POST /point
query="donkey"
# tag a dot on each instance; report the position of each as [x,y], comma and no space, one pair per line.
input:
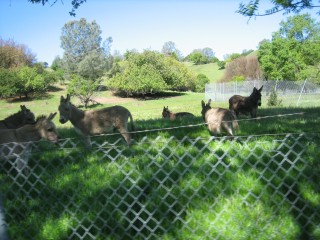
[219,118]
[24,116]
[166,113]
[94,122]
[240,104]
[16,142]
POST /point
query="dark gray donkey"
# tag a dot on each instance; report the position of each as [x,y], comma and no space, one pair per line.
[166,113]
[15,143]
[94,122]
[240,104]
[219,119]
[24,116]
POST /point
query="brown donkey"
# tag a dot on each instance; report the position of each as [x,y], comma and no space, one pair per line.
[15,142]
[240,104]
[166,113]
[94,122]
[24,116]
[219,118]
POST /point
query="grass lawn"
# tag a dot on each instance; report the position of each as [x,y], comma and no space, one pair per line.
[211,70]
[170,184]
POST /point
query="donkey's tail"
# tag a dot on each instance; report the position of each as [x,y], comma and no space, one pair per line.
[131,122]
[235,123]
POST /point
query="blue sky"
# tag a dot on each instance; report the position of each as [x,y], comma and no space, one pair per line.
[139,24]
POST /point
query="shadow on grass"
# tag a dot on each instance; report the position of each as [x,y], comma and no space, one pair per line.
[162,187]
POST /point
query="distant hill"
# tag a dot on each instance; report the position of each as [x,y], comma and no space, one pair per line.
[211,70]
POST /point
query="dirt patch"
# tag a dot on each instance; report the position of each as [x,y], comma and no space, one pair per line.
[113,100]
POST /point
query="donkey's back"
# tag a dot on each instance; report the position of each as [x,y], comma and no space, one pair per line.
[106,119]
[219,119]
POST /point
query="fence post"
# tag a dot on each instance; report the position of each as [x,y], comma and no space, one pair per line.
[301,92]
[3,225]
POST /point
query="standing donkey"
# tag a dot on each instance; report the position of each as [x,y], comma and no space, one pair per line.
[240,104]
[94,122]
[24,116]
[166,113]
[219,118]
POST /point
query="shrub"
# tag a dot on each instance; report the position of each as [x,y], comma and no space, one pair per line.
[149,72]
[273,99]
[201,82]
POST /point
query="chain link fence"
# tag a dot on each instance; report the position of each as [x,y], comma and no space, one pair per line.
[291,92]
[256,187]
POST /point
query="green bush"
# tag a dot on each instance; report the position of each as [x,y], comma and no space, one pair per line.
[149,72]
[273,99]
[201,82]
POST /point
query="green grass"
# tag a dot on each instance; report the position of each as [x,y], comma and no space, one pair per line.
[211,70]
[167,186]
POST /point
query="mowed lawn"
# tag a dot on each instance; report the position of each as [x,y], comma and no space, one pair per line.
[172,183]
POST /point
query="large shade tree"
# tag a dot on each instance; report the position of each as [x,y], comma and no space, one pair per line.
[293,53]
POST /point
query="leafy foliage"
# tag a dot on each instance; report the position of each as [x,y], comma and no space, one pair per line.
[201,56]
[251,9]
[82,44]
[84,89]
[201,82]
[293,51]
[273,99]
[149,72]
[13,54]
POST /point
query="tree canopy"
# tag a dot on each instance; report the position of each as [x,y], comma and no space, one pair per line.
[75,4]
[252,8]
[294,51]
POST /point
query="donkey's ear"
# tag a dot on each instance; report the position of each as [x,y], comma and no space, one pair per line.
[23,107]
[68,97]
[61,99]
[52,115]
[209,102]
[203,104]
[260,88]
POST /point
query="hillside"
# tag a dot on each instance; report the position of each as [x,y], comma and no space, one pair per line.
[211,70]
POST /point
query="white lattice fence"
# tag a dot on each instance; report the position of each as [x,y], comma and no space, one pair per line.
[256,187]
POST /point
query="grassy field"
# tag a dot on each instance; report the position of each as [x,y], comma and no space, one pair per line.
[211,70]
[171,184]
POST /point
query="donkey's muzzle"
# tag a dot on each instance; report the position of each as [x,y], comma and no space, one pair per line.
[62,120]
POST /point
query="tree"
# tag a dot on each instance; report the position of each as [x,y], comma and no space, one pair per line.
[170,49]
[78,39]
[293,52]
[251,9]
[14,55]
[201,56]
[85,55]
[149,72]
[75,4]
[244,67]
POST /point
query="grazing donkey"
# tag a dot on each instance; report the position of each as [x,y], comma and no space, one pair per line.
[250,104]
[16,142]
[218,118]
[166,113]
[94,122]
[24,116]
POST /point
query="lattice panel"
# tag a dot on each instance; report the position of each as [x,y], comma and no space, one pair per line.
[256,187]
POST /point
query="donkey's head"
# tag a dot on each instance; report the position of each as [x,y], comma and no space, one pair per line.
[27,116]
[205,108]
[47,128]
[65,109]
[166,112]
[256,96]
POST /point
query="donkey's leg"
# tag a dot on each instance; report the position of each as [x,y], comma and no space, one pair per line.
[87,141]
[253,113]
[124,132]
